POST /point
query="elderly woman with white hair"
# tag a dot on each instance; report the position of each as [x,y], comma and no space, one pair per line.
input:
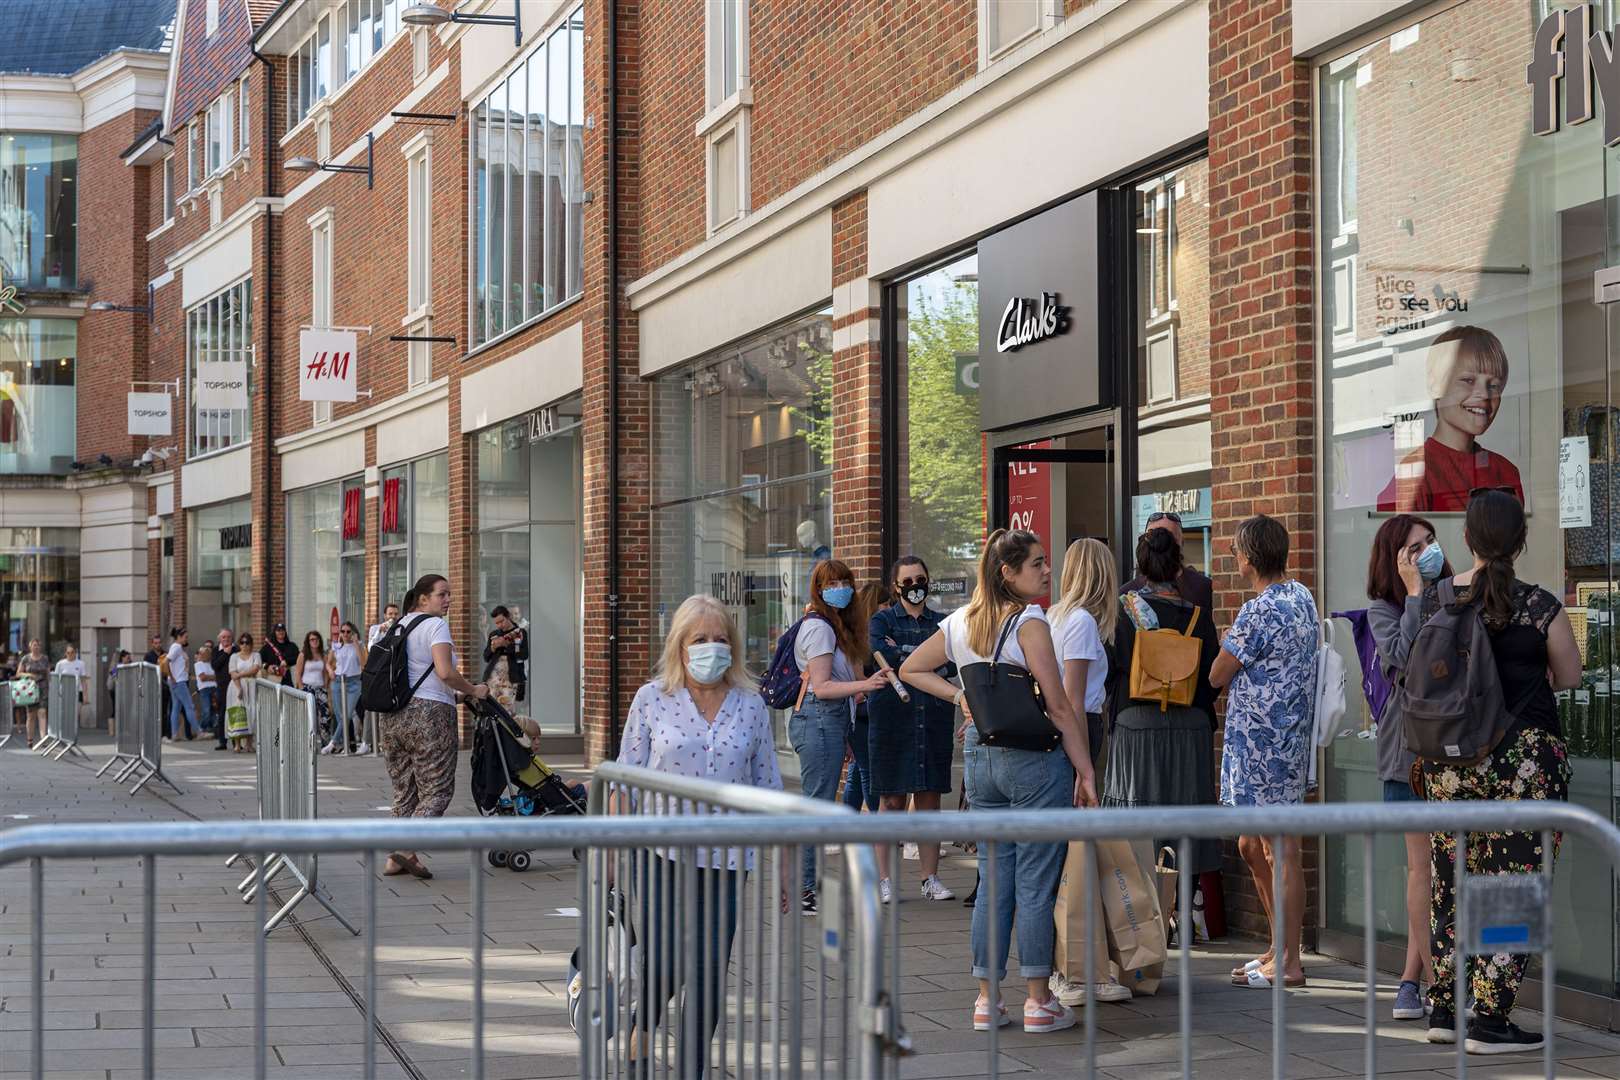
[700,717]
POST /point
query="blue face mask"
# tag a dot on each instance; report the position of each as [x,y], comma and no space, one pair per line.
[838,596]
[1430,562]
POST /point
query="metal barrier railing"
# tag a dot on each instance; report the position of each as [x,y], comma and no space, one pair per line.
[7,717]
[129,701]
[61,717]
[878,1044]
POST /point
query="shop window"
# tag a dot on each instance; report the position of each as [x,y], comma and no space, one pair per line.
[413,518]
[39,590]
[1460,348]
[326,561]
[220,331]
[527,181]
[38,406]
[39,210]
[219,587]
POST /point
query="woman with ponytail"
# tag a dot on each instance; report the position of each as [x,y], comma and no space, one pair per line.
[1534,648]
[419,743]
[830,648]
[1013,574]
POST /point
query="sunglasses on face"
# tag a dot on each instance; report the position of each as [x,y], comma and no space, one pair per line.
[1164,515]
[907,583]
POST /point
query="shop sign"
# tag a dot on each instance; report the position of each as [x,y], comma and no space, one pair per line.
[967,373]
[1026,320]
[734,588]
[220,384]
[1567,50]
[326,365]
[1191,505]
[236,537]
[150,413]
[542,423]
[8,298]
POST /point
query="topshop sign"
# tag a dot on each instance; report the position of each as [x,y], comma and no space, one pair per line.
[1568,50]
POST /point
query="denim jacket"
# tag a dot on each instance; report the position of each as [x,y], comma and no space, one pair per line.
[895,634]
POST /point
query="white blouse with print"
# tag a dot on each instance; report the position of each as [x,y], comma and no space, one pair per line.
[666,733]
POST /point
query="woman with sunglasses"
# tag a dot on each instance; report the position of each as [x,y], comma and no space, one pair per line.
[910,742]
[1189,584]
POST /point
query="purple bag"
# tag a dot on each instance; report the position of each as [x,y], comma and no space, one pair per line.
[1374,683]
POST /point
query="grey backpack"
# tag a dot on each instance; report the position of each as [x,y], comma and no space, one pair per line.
[1450,695]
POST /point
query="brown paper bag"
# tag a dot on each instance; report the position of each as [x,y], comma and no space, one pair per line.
[1134,923]
[1166,876]
[1069,917]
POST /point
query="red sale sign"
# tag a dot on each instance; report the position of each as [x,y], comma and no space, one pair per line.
[326,365]
[1029,495]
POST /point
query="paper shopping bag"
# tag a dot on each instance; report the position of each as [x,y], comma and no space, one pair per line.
[1165,877]
[1069,916]
[1134,924]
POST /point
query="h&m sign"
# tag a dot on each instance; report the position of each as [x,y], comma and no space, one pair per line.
[1568,50]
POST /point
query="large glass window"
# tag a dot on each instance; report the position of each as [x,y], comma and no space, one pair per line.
[528,190]
[38,408]
[742,446]
[39,210]
[414,523]
[326,560]
[942,455]
[39,587]
[1460,348]
[529,551]
[219,592]
[220,330]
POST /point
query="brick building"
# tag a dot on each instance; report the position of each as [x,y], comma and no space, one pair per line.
[651,299]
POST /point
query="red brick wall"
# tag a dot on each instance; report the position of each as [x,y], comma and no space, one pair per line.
[857,457]
[1261,353]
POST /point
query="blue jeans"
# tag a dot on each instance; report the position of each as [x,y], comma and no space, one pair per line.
[858,780]
[1399,791]
[661,921]
[1026,875]
[819,731]
[209,696]
[345,699]
[180,702]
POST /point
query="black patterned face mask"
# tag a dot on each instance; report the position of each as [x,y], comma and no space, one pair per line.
[916,594]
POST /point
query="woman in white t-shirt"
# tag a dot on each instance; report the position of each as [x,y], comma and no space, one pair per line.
[1013,573]
[828,649]
[72,664]
[419,742]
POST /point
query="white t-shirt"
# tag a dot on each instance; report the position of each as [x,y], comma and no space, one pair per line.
[179,665]
[956,646]
[817,638]
[205,675]
[65,666]
[315,671]
[419,656]
[348,659]
[1076,638]
[376,632]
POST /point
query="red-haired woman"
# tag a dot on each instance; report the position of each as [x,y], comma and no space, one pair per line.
[829,648]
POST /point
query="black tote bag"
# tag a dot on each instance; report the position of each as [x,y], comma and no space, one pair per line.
[1008,710]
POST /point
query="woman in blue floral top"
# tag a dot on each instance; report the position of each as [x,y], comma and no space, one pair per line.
[1268,659]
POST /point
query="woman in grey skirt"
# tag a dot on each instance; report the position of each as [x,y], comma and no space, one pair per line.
[1162,757]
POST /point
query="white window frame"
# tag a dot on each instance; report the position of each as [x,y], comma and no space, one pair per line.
[242,116]
[220,143]
[206,340]
[168,187]
[321,257]
[1168,392]
[740,127]
[211,18]
[194,174]
[340,20]
[730,109]
[419,54]
[1050,15]
[419,226]
[716,55]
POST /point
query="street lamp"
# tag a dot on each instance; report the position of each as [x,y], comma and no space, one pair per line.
[309,164]
[149,309]
[428,14]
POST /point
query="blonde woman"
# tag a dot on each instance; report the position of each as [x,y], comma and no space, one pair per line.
[700,717]
[1013,574]
[1082,627]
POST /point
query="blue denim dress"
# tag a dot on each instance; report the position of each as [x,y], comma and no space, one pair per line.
[909,744]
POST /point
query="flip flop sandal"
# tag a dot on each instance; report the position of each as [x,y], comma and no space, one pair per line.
[395,866]
[1253,965]
[1255,979]
[414,867]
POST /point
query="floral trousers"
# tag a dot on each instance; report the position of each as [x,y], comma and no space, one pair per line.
[1533,766]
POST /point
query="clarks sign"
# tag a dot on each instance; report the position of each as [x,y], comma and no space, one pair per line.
[1026,320]
[1567,50]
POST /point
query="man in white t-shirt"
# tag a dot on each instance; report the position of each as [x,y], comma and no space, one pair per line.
[181,701]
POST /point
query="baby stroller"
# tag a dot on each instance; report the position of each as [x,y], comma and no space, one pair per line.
[509,779]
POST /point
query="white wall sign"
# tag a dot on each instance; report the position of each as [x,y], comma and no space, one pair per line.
[1574,482]
[326,365]
[150,414]
[220,384]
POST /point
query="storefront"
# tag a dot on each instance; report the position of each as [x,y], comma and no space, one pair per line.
[1460,348]
[38,408]
[219,585]
[529,554]
[413,509]
[326,556]
[39,587]
[742,455]
[1055,377]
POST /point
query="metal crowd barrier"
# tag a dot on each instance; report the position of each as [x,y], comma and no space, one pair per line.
[286,748]
[138,715]
[876,1043]
[61,717]
[8,717]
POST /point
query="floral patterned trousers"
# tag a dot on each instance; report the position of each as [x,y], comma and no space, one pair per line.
[1533,766]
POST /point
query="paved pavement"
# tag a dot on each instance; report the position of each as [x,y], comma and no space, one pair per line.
[204,1010]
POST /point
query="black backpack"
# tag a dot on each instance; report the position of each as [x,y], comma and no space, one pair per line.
[385,684]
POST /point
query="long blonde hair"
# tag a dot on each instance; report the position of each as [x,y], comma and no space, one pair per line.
[1090,582]
[695,610]
[993,596]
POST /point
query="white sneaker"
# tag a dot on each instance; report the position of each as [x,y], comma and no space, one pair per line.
[1049,1015]
[885,890]
[935,889]
[330,748]
[1074,993]
[363,748]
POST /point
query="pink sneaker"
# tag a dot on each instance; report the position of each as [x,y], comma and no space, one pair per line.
[1048,1015]
[981,1015]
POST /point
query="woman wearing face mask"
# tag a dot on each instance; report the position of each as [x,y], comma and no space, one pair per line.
[701,718]
[910,742]
[1405,558]
[828,649]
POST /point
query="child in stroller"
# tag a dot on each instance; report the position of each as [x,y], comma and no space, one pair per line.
[510,779]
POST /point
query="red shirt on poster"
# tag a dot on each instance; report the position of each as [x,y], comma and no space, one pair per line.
[1437,478]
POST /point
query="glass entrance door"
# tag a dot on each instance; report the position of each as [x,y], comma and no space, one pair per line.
[1061,487]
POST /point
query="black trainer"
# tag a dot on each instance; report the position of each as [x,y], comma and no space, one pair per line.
[807,902]
[1442,1026]
[1498,1035]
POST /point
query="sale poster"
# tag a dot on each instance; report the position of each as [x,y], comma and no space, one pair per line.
[1029,496]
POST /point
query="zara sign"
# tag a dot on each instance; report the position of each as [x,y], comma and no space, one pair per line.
[1567,50]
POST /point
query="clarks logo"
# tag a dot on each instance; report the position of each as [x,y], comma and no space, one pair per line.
[1569,51]
[1026,320]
